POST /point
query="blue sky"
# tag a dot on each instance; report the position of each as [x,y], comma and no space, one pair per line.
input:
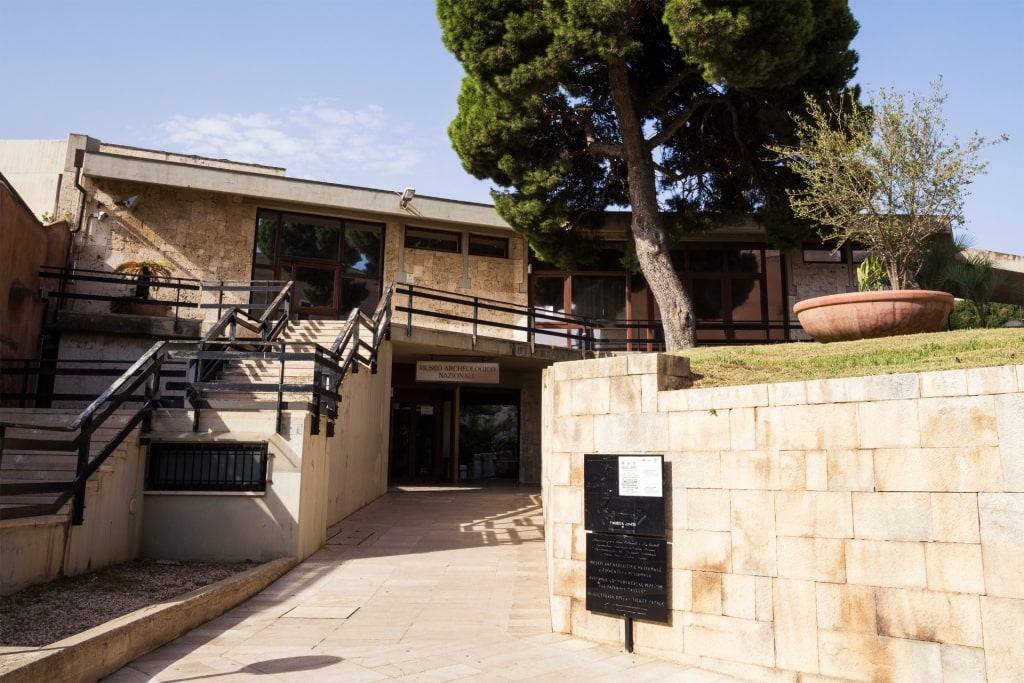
[361,92]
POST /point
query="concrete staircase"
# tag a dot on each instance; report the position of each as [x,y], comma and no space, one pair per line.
[255,381]
[23,465]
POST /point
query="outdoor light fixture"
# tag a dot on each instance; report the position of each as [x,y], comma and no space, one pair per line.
[407,195]
[131,202]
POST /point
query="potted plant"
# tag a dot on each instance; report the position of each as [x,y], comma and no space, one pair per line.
[145,275]
[883,177]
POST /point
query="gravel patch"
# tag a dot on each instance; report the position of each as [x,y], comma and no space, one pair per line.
[45,613]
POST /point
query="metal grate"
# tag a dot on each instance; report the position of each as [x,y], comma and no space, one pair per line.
[207,467]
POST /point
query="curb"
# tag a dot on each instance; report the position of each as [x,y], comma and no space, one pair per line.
[102,650]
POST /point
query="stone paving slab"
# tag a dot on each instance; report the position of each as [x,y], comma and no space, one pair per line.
[423,585]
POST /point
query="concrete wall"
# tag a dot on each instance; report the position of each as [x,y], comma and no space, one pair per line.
[288,520]
[867,529]
[358,453]
[41,549]
[27,245]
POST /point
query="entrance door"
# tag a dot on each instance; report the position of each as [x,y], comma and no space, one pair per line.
[420,439]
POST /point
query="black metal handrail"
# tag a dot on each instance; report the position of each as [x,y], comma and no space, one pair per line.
[144,373]
[188,293]
[330,365]
[574,330]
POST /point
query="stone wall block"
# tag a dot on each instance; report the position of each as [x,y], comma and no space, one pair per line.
[558,470]
[999,379]
[561,614]
[1002,543]
[814,513]
[753,533]
[945,383]
[648,393]
[597,626]
[812,427]
[870,388]
[743,429]
[764,598]
[566,504]
[561,540]
[944,421]
[729,638]
[753,470]
[1010,428]
[963,664]
[625,394]
[708,510]
[955,518]
[561,396]
[680,598]
[962,468]
[955,567]
[568,577]
[888,424]
[812,559]
[1003,623]
[695,469]
[709,551]
[868,658]
[793,470]
[700,430]
[850,470]
[673,401]
[739,596]
[706,597]
[846,607]
[929,615]
[591,396]
[631,433]
[573,434]
[892,516]
[796,625]
[724,398]
[787,394]
[892,564]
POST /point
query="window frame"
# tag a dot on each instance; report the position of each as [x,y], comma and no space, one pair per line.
[501,243]
[435,237]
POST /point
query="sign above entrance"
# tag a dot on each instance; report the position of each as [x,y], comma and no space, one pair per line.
[454,371]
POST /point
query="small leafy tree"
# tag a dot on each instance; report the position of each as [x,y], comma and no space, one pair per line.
[884,175]
[975,279]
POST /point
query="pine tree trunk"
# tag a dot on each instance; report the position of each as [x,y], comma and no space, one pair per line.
[652,248]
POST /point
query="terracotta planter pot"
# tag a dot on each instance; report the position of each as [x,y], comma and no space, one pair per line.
[865,315]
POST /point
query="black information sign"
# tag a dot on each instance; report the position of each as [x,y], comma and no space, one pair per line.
[622,494]
[628,576]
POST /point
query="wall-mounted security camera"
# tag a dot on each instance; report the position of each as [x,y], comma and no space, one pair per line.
[131,202]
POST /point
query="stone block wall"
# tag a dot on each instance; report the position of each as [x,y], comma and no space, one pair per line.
[866,529]
[203,235]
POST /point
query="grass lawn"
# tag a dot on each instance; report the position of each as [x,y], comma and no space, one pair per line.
[717,366]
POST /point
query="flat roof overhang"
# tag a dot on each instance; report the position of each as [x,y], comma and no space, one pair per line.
[270,188]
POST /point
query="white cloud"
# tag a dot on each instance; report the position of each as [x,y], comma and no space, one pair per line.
[315,142]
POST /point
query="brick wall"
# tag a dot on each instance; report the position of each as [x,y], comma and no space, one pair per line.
[867,529]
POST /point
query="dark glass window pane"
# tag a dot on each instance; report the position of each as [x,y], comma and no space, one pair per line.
[359,293]
[743,261]
[266,237]
[314,287]
[310,236]
[707,299]
[482,245]
[746,301]
[599,297]
[435,240]
[706,261]
[549,294]
[362,248]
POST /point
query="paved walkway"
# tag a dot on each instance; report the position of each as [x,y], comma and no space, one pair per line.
[421,585]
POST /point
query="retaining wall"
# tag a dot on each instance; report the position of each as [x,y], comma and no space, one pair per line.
[864,529]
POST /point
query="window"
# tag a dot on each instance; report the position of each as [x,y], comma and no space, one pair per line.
[434,240]
[483,245]
[334,262]
[207,467]
[817,253]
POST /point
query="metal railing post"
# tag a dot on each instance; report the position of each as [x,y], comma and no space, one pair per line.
[78,502]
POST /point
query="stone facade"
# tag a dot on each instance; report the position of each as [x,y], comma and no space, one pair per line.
[866,529]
